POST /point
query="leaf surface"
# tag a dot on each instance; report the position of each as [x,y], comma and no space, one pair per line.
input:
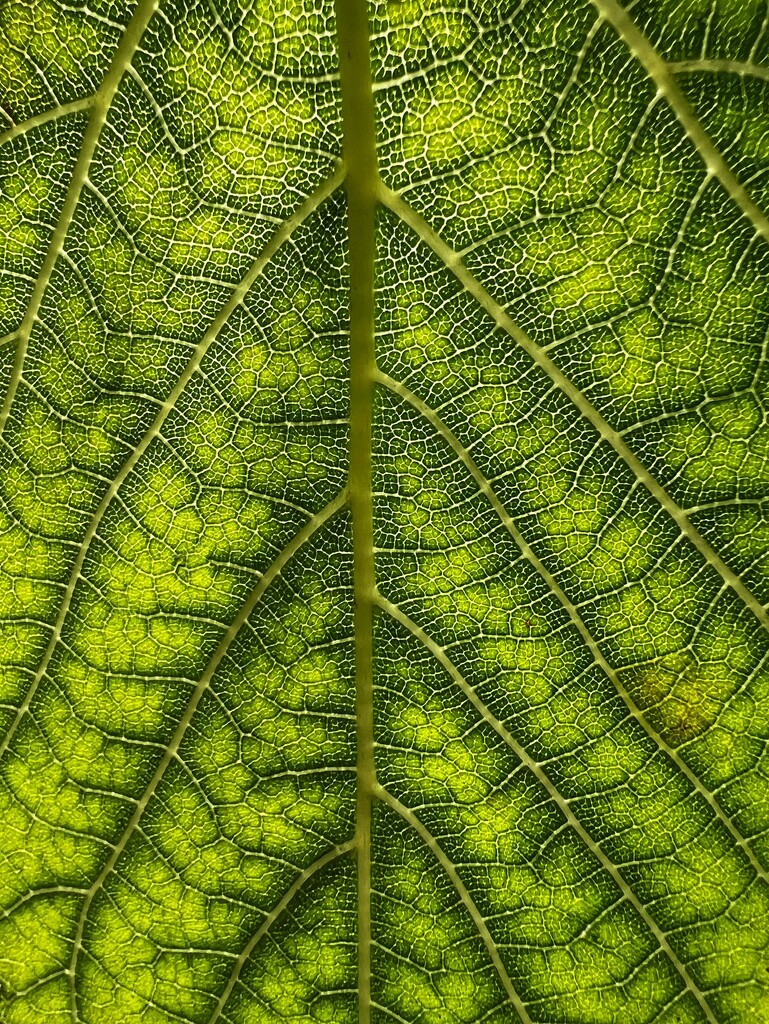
[383,512]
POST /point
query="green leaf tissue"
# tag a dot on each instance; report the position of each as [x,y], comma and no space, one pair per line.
[384,512]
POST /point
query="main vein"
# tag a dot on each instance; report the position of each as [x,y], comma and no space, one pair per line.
[362,187]
[99,107]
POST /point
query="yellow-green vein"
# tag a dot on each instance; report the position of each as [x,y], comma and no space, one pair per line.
[484,485]
[237,297]
[171,751]
[362,183]
[99,107]
[440,655]
[502,319]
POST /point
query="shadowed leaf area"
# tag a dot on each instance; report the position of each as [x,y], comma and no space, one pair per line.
[384,512]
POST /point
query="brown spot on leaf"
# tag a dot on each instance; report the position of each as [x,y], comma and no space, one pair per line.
[677,697]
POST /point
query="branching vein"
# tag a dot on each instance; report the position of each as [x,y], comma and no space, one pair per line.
[533,766]
[483,930]
[171,751]
[237,297]
[99,106]
[555,588]
[663,77]
[47,115]
[271,918]
[453,262]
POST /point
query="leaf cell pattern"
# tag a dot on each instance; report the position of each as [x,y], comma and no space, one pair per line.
[384,512]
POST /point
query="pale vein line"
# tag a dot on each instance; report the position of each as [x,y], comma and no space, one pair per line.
[100,105]
[485,487]
[360,156]
[419,225]
[736,67]
[429,840]
[171,751]
[663,77]
[47,115]
[237,297]
[440,655]
[271,918]
[36,894]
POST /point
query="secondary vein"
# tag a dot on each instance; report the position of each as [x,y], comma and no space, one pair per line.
[486,488]
[271,918]
[219,321]
[99,106]
[476,916]
[452,260]
[536,769]
[662,74]
[47,115]
[172,750]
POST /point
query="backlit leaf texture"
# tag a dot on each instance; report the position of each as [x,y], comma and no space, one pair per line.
[384,512]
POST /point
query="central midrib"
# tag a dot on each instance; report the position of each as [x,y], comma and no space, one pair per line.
[362,186]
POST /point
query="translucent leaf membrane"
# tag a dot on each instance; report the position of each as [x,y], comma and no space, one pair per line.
[34,170]
[174,429]
[261,788]
[430,963]
[570,942]
[244,458]
[569,822]
[181,534]
[705,29]
[149,261]
[55,52]
[305,969]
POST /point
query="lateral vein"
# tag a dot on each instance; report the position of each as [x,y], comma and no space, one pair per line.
[440,655]
[736,67]
[47,115]
[454,263]
[172,749]
[271,918]
[477,918]
[484,485]
[219,321]
[663,76]
[99,106]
